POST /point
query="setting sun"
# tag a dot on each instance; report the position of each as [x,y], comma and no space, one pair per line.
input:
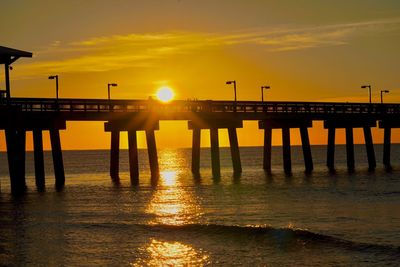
[165,94]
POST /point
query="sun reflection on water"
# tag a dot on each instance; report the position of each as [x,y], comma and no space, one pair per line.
[168,178]
[172,203]
[163,253]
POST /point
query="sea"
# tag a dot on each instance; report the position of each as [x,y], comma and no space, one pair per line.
[255,219]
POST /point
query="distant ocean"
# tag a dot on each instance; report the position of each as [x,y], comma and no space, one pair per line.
[321,219]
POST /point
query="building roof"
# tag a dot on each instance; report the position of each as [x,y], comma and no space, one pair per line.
[9,55]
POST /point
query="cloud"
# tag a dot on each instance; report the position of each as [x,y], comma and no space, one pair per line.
[146,50]
[299,38]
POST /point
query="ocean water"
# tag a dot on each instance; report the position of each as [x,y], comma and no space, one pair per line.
[322,219]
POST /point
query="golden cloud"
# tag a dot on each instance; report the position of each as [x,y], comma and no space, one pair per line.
[145,50]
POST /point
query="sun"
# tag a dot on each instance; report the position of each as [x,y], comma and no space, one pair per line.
[165,94]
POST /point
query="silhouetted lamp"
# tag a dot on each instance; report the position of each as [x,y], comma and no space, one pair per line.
[55,77]
[369,91]
[383,91]
[262,91]
[234,87]
[108,87]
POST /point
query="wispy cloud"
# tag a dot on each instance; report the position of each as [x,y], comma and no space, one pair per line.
[298,38]
[145,50]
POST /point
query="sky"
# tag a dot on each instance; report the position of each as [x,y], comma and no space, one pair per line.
[306,50]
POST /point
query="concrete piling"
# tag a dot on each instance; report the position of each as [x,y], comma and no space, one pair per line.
[287,159]
[39,159]
[370,148]
[350,148]
[235,154]
[267,149]
[114,157]
[152,151]
[196,138]
[305,141]
[215,162]
[57,158]
[15,141]
[133,157]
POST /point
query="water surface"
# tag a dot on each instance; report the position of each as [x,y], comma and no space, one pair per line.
[257,219]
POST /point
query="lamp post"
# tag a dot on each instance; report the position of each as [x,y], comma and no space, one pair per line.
[369,90]
[234,87]
[234,90]
[383,91]
[262,91]
[108,87]
[55,77]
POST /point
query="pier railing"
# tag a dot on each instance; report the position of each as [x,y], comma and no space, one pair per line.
[101,105]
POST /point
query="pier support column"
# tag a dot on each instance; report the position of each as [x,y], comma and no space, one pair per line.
[214,125]
[308,161]
[133,157]
[285,125]
[152,151]
[267,149]
[287,161]
[39,159]
[386,147]
[132,126]
[57,158]
[370,148]
[215,163]
[350,148]
[15,140]
[330,157]
[235,154]
[341,122]
[114,157]
[196,150]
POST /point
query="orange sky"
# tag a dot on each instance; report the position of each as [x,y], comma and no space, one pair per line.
[306,51]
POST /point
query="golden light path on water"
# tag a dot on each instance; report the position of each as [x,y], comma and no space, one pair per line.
[172,204]
[163,253]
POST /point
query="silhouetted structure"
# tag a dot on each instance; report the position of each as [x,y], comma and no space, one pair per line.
[19,115]
[7,57]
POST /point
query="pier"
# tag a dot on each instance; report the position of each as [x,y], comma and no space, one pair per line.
[19,115]
[41,114]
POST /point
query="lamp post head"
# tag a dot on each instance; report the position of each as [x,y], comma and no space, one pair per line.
[266,87]
[385,91]
[366,86]
[230,82]
[52,77]
[112,84]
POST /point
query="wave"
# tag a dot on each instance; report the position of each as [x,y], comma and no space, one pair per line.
[286,237]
